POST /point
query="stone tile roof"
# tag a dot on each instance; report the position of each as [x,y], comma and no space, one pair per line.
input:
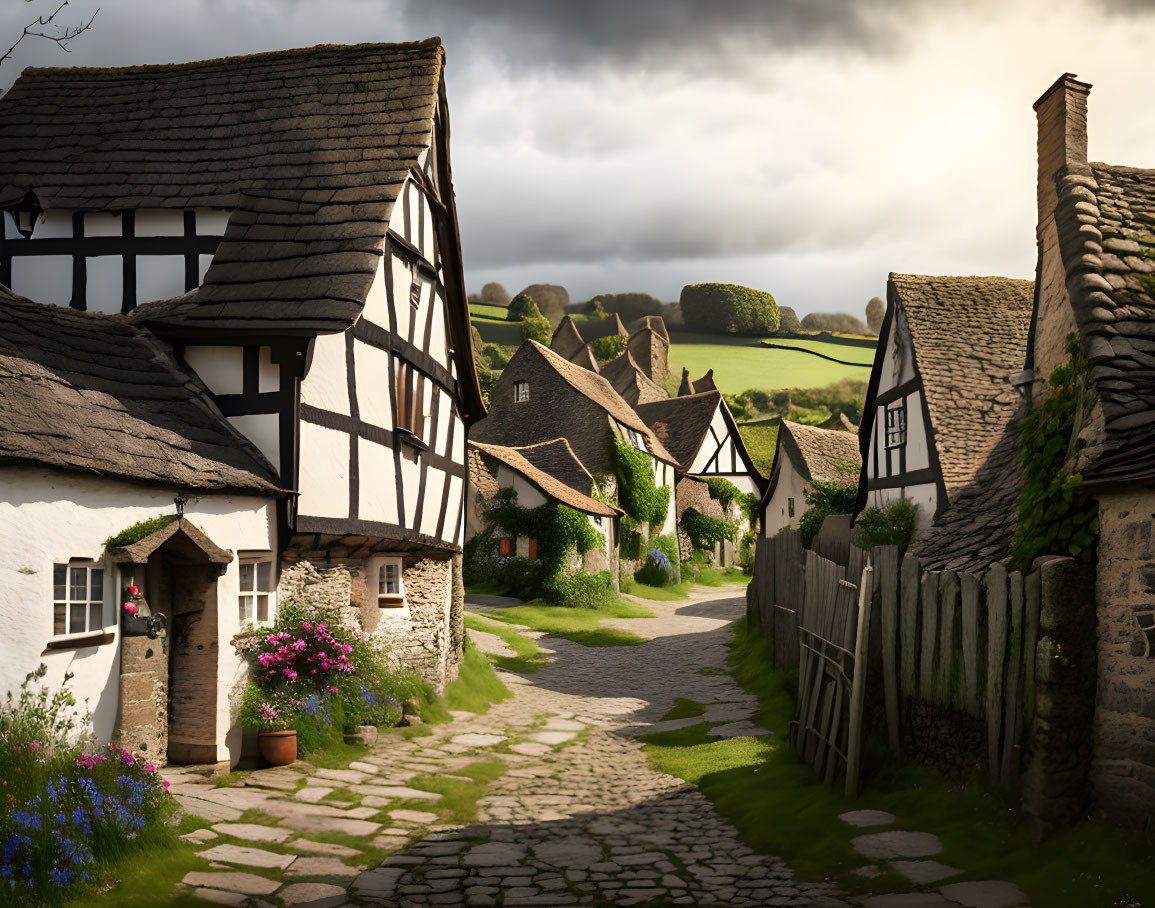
[550,485]
[557,458]
[601,327]
[308,148]
[568,343]
[92,393]
[682,423]
[1106,225]
[628,379]
[823,454]
[969,336]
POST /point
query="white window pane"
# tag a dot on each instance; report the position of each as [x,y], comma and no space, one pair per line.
[246,579]
[58,616]
[264,575]
[60,581]
[262,608]
[95,618]
[77,614]
[246,603]
[97,585]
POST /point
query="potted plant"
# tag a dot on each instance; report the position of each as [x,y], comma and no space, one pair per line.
[272,716]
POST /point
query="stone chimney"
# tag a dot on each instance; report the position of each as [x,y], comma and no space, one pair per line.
[1062,116]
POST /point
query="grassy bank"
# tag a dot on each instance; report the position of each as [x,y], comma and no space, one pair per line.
[527,659]
[673,593]
[779,807]
[581,625]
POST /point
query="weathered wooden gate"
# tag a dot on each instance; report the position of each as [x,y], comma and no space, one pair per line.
[833,642]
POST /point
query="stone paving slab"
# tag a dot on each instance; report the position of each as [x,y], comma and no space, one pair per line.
[867,818]
[252,832]
[342,825]
[251,857]
[896,843]
[323,866]
[313,895]
[985,894]
[246,883]
[329,848]
[199,836]
[925,871]
[220,897]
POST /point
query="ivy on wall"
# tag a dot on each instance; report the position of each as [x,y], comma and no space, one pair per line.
[825,497]
[1055,515]
[704,531]
[638,495]
[723,491]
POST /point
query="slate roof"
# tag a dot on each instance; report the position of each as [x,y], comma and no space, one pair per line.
[91,393]
[969,336]
[550,485]
[601,327]
[557,458]
[567,342]
[1106,226]
[308,148]
[628,379]
[682,423]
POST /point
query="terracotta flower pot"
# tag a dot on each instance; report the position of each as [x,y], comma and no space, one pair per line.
[278,748]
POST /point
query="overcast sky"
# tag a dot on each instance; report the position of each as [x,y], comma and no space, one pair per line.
[805,147]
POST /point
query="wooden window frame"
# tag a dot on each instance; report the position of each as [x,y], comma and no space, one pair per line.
[409,403]
[63,598]
[256,588]
[895,434]
[379,581]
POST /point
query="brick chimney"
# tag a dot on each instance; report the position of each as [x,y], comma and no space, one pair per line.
[1062,116]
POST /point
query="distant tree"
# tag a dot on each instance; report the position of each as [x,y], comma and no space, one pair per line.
[729,309]
[596,308]
[788,321]
[522,306]
[630,306]
[550,298]
[875,310]
[474,298]
[839,322]
[47,28]
[537,328]
[493,294]
[609,347]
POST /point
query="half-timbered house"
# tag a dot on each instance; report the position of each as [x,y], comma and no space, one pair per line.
[287,222]
[941,394]
[802,455]
[541,396]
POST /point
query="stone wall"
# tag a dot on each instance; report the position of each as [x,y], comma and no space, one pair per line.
[1123,768]
[428,635]
[142,716]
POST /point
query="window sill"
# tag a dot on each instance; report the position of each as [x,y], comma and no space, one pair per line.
[408,438]
[80,641]
[391,601]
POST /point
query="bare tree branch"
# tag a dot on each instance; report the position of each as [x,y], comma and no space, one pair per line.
[44,27]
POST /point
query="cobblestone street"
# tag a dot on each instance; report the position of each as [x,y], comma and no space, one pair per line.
[577,816]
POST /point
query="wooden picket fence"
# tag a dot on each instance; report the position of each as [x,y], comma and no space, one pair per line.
[960,641]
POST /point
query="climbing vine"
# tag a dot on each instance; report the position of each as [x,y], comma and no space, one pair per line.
[723,491]
[1055,515]
[825,497]
[704,531]
[638,495]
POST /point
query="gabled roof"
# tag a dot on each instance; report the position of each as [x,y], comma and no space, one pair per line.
[557,458]
[307,148]
[682,423]
[1106,225]
[822,454]
[568,343]
[969,336]
[595,388]
[628,379]
[705,383]
[601,327]
[550,485]
[654,323]
[91,393]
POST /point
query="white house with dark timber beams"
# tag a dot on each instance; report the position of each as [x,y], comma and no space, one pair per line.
[941,395]
[286,221]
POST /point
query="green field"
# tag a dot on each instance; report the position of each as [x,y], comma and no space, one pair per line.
[846,352]
[481,310]
[495,330]
[740,363]
[760,438]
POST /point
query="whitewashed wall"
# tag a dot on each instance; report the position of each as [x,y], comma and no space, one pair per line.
[729,464]
[789,484]
[48,517]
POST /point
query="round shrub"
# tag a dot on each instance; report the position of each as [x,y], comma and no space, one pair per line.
[657,570]
[729,309]
[522,306]
[609,347]
[537,329]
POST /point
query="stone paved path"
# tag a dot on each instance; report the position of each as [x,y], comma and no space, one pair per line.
[576,816]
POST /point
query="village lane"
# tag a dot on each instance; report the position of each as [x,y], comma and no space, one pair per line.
[576,815]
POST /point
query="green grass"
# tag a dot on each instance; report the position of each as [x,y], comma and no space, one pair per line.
[779,807]
[581,625]
[481,310]
[740,363]
[498,330]
[528,659]
[760,439]
[862,355]
[336,756]
[477,686]
[712,576]
[459,798]
[672,593]
[683,709]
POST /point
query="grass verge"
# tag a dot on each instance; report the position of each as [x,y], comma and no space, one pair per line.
[528,658]
[581,625]
[683,709]
[477,686]
[779,807]
[459,797]
[672,593]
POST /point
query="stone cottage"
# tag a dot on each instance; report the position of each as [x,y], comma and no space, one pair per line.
[802,455]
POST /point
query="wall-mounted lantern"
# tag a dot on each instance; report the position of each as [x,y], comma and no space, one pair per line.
[137,619]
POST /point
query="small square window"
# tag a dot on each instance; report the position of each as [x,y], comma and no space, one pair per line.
[386,573]
[77,598]
[520,391]
[896,425]
[257,595]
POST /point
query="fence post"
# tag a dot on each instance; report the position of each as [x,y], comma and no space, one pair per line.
[929,642]
[948,595]
[908,616]
[1013,699]
[858,685]
[971,590]
[885,559]
[996,584]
